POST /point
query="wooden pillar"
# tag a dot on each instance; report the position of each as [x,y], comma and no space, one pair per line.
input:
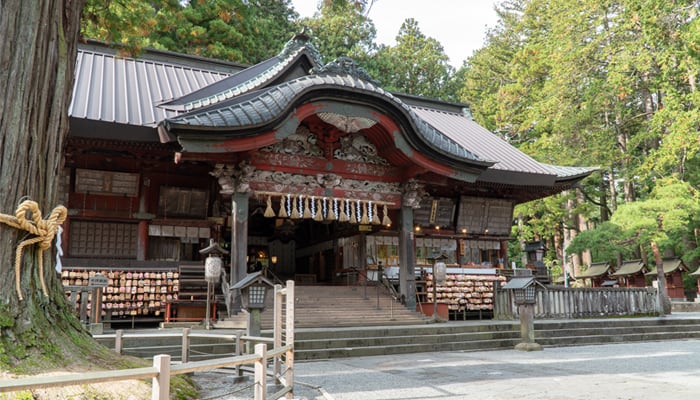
[503,253]
[239,237]
[407,258]
[142,245]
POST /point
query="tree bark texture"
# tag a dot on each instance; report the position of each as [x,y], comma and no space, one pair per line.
[37,58]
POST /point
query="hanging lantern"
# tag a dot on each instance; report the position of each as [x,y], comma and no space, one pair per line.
[212,268]
[213,263]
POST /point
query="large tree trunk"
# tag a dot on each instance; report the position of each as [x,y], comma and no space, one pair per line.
[37,58]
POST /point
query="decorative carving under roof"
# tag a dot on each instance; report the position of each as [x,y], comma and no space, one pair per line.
[282,180]
[302,142]
[345,66]
[413,193]
[356,147]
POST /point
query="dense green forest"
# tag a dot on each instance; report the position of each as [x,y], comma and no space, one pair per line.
[605,83]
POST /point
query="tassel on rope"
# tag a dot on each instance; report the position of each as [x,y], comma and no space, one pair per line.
[283,208]
[269,212]
[353,214]
[375,215]
[295,210]
[386,221]
[332,216]
[307,212]
[319,211]
[44,230]
[343,215]
[365,218]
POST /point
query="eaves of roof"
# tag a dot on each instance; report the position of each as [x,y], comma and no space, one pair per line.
[630,267]
[595,270]
[670,265]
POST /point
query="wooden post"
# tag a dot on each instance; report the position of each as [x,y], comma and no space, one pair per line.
[289,333]
[83,305]
[277,332]
[185,345]
[118,343]
[260,372]
[239,371]
[407,258]
[160,389]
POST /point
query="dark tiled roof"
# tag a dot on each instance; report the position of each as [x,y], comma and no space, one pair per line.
[595,270]
[630,267]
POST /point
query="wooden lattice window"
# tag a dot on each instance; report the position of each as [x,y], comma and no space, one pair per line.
[103,239]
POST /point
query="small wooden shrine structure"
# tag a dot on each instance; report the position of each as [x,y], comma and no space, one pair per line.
[596,275]
[631,274]
[674,268]
[313,165]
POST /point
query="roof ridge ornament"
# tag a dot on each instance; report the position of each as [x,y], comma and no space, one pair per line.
[345,65]
[298,42]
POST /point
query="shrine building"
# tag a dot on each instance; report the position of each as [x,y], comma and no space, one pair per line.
[311,171]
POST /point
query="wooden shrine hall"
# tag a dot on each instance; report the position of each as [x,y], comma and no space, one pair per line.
[308,170]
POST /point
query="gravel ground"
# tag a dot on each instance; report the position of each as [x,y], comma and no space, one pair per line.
[639,371]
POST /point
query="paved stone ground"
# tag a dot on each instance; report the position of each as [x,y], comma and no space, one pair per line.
[639,371]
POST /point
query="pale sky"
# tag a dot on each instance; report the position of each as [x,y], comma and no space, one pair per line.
[459,25]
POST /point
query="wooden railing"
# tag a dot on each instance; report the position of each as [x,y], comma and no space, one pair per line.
[559,302]
[282,355]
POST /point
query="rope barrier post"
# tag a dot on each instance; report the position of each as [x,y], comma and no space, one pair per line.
[118,341]
[185,345]
[261,372]
[161,382]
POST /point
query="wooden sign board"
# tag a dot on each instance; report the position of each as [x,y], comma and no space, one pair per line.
[98,280]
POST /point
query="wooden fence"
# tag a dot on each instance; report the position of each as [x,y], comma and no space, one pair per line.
[281,354]
[560,302]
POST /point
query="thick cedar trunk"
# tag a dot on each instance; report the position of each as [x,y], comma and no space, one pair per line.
[37,57]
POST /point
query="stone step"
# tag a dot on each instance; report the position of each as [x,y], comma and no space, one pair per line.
[486,335]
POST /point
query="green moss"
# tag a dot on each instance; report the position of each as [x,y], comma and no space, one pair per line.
[182,388]
[23,395]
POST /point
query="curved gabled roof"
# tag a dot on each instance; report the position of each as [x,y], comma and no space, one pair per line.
[268,96]
[252,78]
[269,106]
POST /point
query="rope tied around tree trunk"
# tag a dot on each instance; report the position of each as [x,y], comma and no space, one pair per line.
[28,217]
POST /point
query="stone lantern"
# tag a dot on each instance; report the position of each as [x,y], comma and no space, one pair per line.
[523,286]
[255,289]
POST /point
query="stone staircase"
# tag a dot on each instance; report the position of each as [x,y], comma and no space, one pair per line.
[346,306]
[487,335]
